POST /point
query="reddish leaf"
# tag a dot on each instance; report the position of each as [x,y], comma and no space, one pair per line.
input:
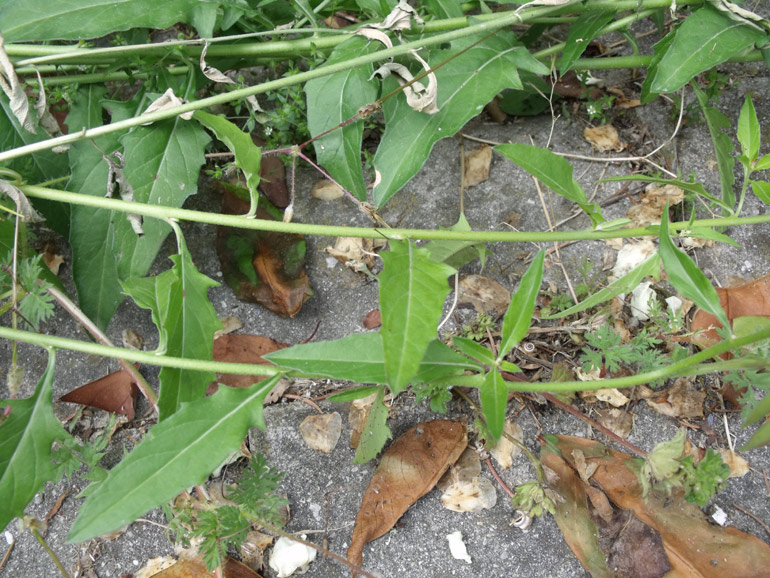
[262,266]
[750,299]
[373,319]
[242,348]
[408,470]
[694,547]
[114,392]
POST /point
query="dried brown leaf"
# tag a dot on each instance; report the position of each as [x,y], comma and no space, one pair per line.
[618,421]
[408,470]
[679,400]
[739,467]
[321,432]
[326,190]
[242,348]
[506,451]
[604,138]
[477,165]
[115,392]
[652,203]
[485,294]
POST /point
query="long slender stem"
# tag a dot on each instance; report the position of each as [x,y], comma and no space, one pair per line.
[50,552]
[162,212]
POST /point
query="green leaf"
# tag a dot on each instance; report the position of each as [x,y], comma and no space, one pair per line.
[762,164]
[334,99]
[36,20]
[26,436]
[494,399]
[707,38]
[748,130]
[760,438]
[464,87]
[441,9]
[357,357]
[704,233]
[685,276]
[761,190]
[412,293]
[723,147]
[659,51]
[177,453]
[474,350]
[554,172]
[581,32]
[441,361]
[376,431]
[247,155]
[457,253]
[518,317]
[162,165]
[648,267]
[186,321]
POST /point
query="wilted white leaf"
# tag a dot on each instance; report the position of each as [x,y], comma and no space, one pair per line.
[14,91]
[23,206]
[378,35]
[289,557]
[418,96]
[216,75]
[165,101]
[400,18]
[116,179]
[44,117]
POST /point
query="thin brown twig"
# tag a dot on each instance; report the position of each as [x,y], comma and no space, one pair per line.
[500,480]
[753,517]
[305,399]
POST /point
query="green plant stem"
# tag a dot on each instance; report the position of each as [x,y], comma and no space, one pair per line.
[145,357]
[163,212]
[50,552]
[693,365]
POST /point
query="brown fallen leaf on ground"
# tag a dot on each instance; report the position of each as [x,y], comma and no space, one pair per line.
[242,348]
[408,470]
[694,547]
[115,392]
[652,203]
[618,421]
[326,190]
[373,319]
[477,165]
[321,432]
[679,400]
[195,568]
[485,294]
[604,138]
[753,298]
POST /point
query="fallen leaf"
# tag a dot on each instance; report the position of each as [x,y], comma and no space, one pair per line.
[652,203]
[618,421]
[470,496]
[195,568]
[679,400]
[485,294]
[373,319]
[465,469]
[242,348]
[272,179]
[752,298]
[253,549]
[359,410]
[694,547]
[640,300]
[408,470]
[506,451]
[115,392]
[289,556]
[739,467]
[52,260]
[604,138]
[355,253]
[132,340]
[477,165]
[418,96]
[321,432]
[229,324]
[325,190]
[611,396]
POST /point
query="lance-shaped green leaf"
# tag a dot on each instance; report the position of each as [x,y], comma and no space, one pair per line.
[518,317]
[723,147]
[334,99]
[26,436]
[35,20]
[162,164]
[186,321]
[554,172]
[442,361]
[685,276]
[177,453]
[748,131]
[465,86]
[581,32]
[707,38]
[376,431]
[247,155]
[474,350]
[412,292]
[650,267]
[494,399]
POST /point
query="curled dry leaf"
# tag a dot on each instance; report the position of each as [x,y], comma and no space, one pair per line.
[242,348]
[618,421]
[400,18]
[194,567]
[14,90]
[408,470]
[640,300]
[326,190]
[418,96]
[506,451]
[357,414]
[23,206]
[356,253]
[321,432]
[229,324]
[470,496]
[679,400]
[739,467]
[611,396]
[216,75]
[477,165]
[652,203]
[752,298]
[115,392]
[604,138]
[694,547]
[485,294]
[253,549]
[165,101]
